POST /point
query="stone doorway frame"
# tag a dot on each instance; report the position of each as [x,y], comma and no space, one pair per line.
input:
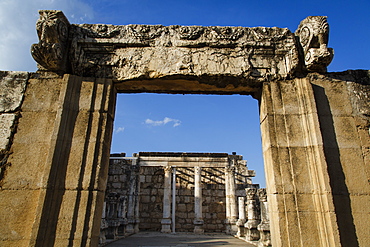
[314,126]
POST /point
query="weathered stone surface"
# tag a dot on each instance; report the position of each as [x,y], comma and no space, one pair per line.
[12,87]
[6,126]
[46,162]
[189,58]
[151,52]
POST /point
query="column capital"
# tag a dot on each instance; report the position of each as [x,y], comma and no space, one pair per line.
[262,194]
[251,193]
[167,168]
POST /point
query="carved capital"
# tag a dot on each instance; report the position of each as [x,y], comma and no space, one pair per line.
[51,51]
[251,193]
[262,195]
[230,169]
[313,34]
[197,170]
[167,169]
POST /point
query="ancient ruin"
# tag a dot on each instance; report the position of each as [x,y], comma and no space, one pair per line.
[56,124]
[183,192]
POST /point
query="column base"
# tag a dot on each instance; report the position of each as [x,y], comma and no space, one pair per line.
[198,226]
[166,225]
[240,224]
[251,232]
[231,227]
[130,228]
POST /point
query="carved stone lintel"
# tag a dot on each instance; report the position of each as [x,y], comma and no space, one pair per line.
[313,33]
[51,51]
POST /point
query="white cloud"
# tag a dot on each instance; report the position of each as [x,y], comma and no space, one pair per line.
[18,28]
[118,130]
[165,121]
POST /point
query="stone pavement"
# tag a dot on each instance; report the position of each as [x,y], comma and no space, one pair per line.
[156,239]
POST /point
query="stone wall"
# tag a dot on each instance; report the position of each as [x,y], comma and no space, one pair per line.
[213,195]
[12,88]
[151,198]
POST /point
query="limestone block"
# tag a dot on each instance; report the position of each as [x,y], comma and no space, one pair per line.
[37,99]
[12,87]
[19,175]
[6,126]
[17,216]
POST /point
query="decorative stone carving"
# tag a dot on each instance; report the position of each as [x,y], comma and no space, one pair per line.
[227,33]
[190,33]
[220,56]
[51,51]
[313,33]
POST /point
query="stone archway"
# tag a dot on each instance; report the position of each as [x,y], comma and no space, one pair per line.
[314,126]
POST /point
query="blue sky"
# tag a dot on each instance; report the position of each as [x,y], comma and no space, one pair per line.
[190,123]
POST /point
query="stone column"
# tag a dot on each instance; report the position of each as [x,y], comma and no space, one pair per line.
[231,207]
[174,200]
[63,150]
[166,220]
[241,221]
[264,226]
[198,221]
[251,232]
[137,202]
[132,224]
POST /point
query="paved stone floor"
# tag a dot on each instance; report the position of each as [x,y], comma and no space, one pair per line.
[155,239]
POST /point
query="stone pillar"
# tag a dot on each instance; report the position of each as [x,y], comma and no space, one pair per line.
[103,226]
[297,173]
[133,204]
[241,221]
[166,220]
[231,207]
[198,221]
[61,154]
[122,216]
[137,202]
[251,232]
[264,226]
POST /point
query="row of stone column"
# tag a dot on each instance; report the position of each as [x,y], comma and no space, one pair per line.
[231,206]
[248,219]
[168,216]
[255,226]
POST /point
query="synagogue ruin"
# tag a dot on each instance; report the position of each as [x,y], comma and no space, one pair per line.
[183,192]
[56,128]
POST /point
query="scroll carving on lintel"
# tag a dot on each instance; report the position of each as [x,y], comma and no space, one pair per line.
[313,33]
[51,51]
